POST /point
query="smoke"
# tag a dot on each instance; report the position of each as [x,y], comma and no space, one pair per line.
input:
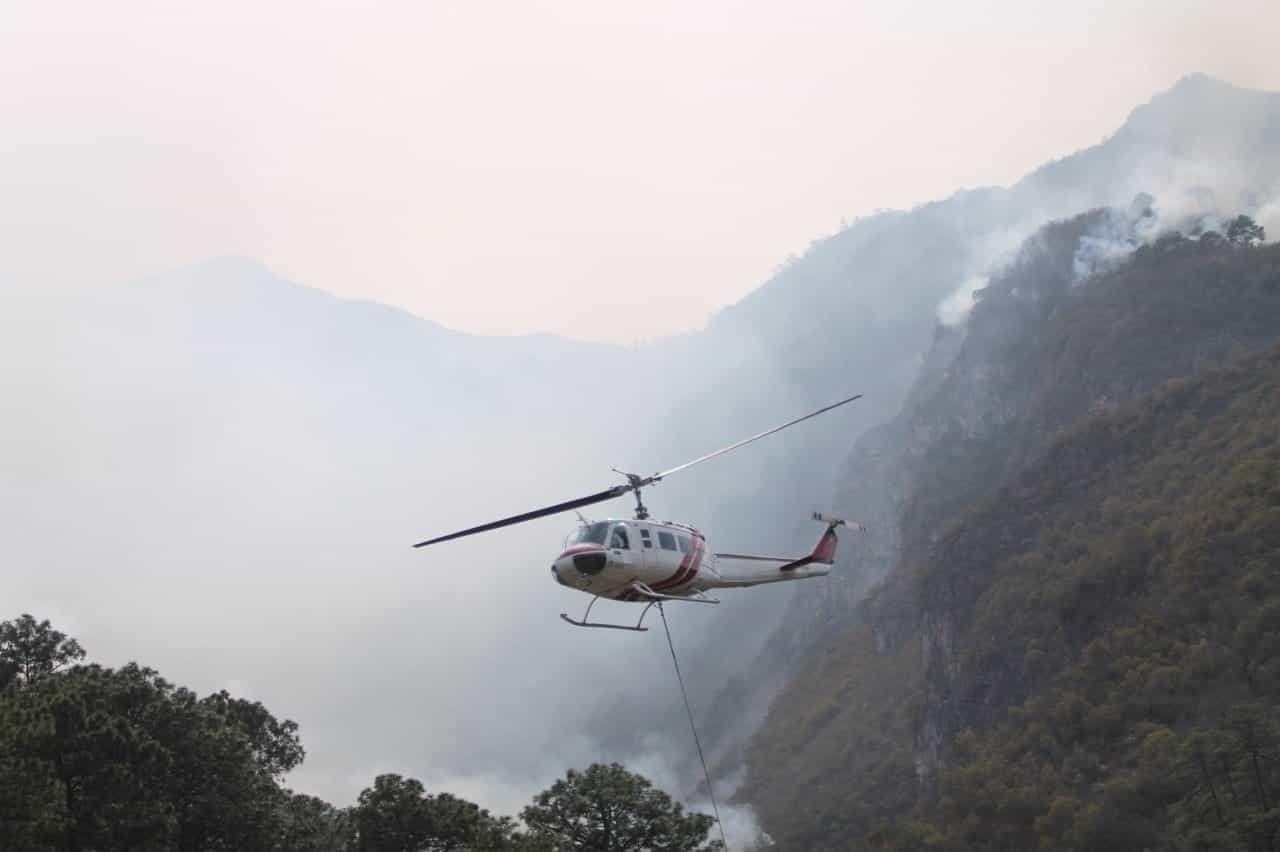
[742,828]
[741,825]
[1114,237]
[989,253]
[1205,150]
[954,309]
[1193,211]
[1268,216]
[1164,193]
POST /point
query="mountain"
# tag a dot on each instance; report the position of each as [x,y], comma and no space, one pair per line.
[881,306]
[1023,472]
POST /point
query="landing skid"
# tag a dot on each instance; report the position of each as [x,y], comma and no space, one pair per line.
[585,623]
[643,590]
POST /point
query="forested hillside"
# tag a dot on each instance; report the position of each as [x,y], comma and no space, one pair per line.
[1114,629]
[862,308]
[1055,502]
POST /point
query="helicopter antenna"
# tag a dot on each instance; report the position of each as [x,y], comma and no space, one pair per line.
[634,483]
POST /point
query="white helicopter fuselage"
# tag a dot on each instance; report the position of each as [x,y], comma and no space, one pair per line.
[626,560]
[650,561]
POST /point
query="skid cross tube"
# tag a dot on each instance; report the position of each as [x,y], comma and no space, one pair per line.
[642,589]
[646,592]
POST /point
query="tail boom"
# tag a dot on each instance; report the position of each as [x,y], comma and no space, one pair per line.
[817,563]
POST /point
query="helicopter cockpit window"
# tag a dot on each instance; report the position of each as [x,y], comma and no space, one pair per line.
[683,541]
[592,533]
[666,541]
[619,539]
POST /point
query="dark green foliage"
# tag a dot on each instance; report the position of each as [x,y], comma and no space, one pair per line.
[397,815]
[313,825]
[275,744]
[120,759]
[30,650]
[608,809]
[848,739]
[1115,614]
[94,759]
[1086,613]
[1243,231]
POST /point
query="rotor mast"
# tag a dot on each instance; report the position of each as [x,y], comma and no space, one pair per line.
[634,483]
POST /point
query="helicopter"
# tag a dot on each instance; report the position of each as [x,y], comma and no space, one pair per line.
[640,560]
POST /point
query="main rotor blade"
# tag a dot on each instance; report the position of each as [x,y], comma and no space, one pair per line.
[745,441]
[600,497]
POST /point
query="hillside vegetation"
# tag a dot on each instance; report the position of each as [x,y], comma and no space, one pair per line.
[1123,606]
[1084,601]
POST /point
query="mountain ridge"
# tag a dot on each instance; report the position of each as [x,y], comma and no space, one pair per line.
[973,425]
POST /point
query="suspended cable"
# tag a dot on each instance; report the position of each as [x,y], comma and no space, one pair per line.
[706,773]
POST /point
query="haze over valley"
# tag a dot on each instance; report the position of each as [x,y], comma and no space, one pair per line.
[218,470]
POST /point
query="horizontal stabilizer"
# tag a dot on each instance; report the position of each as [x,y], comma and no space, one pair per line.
[751,557]
[823,553]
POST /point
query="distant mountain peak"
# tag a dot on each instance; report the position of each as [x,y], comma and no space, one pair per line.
[1200,107]
[1198,82]
[232,266]
[230,271]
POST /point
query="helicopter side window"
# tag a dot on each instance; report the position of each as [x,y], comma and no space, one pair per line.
[644,535]
[620,540]
[683,541]
[667,541]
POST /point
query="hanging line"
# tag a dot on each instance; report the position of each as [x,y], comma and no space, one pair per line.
[693,727]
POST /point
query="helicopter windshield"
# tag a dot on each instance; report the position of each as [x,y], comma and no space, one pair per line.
[591,533]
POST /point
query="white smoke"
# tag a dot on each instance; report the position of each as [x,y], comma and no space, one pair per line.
[1193,211]
[1197,190]
[1268,216]
[990,253]
[1115,237]
[955,308]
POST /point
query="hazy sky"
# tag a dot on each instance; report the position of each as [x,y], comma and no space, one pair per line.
[601,170]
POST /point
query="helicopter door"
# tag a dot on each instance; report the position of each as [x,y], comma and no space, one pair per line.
[624,548]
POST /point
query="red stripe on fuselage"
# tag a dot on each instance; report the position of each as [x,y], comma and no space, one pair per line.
[680,571]
[688,568]
[675,577]
[581,548]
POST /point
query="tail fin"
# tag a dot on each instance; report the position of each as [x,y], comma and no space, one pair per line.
[824,552]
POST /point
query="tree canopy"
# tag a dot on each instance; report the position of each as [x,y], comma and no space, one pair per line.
[108,760]
[397,815]
[31,649]
[608,809]
[1243,231]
